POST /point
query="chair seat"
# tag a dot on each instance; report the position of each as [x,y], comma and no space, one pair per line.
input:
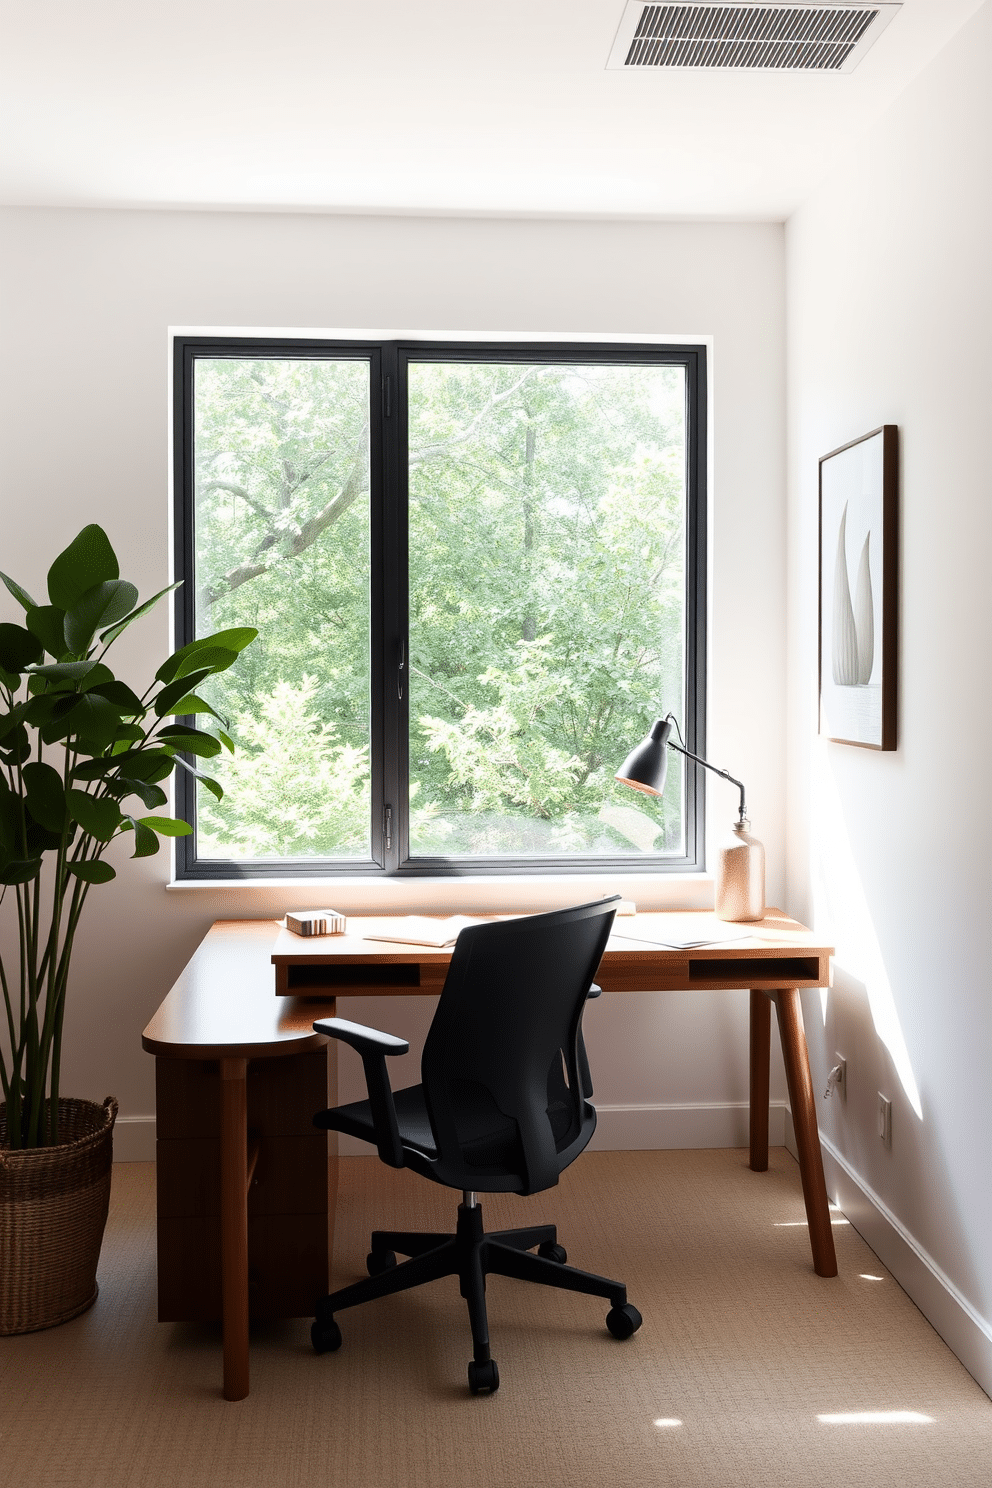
[488,1139]
[355,1119]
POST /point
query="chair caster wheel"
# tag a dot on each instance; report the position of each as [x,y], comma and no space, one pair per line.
[378,1261]
[483,1379]
[623,1321]
[552,1252]
[325,1336]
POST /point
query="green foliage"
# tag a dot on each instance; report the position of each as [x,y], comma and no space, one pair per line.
[74,743]
[498,752]
[298,785]
[546,598]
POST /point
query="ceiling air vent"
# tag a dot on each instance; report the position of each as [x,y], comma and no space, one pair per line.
[752,35]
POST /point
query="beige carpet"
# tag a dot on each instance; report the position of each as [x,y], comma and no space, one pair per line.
[743,1349]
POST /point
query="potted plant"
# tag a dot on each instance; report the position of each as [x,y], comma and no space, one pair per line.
[82,761]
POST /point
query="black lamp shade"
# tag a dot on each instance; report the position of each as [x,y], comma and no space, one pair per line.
[646,766]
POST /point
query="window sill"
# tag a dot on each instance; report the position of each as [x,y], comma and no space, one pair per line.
[482,894]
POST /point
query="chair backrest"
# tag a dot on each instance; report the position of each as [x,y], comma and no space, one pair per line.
[508,1018]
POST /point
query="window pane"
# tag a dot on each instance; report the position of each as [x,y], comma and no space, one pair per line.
[547,604]
[281,542]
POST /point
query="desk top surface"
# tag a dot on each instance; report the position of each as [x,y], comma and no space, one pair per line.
[224,1002]
[633,935]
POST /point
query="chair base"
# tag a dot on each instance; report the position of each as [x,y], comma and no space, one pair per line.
[471,1255]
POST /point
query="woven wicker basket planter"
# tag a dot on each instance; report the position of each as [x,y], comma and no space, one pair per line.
[53,1209]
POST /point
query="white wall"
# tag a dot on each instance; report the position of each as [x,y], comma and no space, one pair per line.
[890,321]
[84,436]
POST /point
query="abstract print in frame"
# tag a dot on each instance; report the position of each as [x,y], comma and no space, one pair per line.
[859,538]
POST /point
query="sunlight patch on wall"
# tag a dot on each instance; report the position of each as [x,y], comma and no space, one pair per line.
[840,902]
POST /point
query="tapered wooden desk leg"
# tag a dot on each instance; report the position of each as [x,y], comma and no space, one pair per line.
[761,1041]
[234,1224]
[796,1056]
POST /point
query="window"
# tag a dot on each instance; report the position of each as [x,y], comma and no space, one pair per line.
[477,571]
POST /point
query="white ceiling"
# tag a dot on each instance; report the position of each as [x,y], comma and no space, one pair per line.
[425,106]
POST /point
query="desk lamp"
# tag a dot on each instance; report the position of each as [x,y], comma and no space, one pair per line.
[740,874]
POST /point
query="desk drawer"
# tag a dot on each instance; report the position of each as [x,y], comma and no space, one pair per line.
[287,1266]
[403,979]
[283,1095]
[290,1176]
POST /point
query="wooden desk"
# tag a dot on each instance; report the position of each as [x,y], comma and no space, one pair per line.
[240,1072]
[245,1195]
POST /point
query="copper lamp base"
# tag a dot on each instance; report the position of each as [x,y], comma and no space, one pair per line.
[740,876]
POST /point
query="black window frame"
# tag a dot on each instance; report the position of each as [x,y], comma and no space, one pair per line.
[389,361]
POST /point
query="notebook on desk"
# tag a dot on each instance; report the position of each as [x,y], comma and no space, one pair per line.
[421,930]
[683,934]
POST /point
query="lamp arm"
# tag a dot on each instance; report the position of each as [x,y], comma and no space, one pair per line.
[726,775]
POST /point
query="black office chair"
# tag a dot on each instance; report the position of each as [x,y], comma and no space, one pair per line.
[503,1108]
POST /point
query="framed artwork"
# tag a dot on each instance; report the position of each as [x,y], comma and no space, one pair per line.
[859,546]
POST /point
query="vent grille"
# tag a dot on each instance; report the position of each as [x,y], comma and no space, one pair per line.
[818,38]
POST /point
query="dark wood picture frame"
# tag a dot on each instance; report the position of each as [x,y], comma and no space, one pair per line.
[858,602]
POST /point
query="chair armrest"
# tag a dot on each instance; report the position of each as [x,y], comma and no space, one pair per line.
[373,1047]
[365,1040]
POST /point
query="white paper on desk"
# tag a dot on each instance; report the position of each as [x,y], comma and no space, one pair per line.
[684,936]
[420,930]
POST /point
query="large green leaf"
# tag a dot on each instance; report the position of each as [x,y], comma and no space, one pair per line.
[44,795]
[71,671]
[142,764]
[211,658]
[168,826]
[40,840]
[94,723]
[95,871]
[99,816]
[151,795]
[47,622]
[17,715]
[175,690]
[226,640]
[109,636]
[192,740]
[16,747]
[102,605]
[160,768]
[20,870]
[126,735]
[21,595]
[99,769]
[40,710]
[59,722]
[189,705]
[89,559]
[146,843]
[212,785]
[19,649]
[120,695]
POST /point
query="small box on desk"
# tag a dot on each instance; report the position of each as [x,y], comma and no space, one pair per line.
[315,922]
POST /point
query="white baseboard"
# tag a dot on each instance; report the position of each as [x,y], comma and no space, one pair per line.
[966,1333]
[662,1127]
[134,1139]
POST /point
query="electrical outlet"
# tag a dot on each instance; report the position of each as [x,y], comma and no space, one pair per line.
[840,1064]
[885,1119]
